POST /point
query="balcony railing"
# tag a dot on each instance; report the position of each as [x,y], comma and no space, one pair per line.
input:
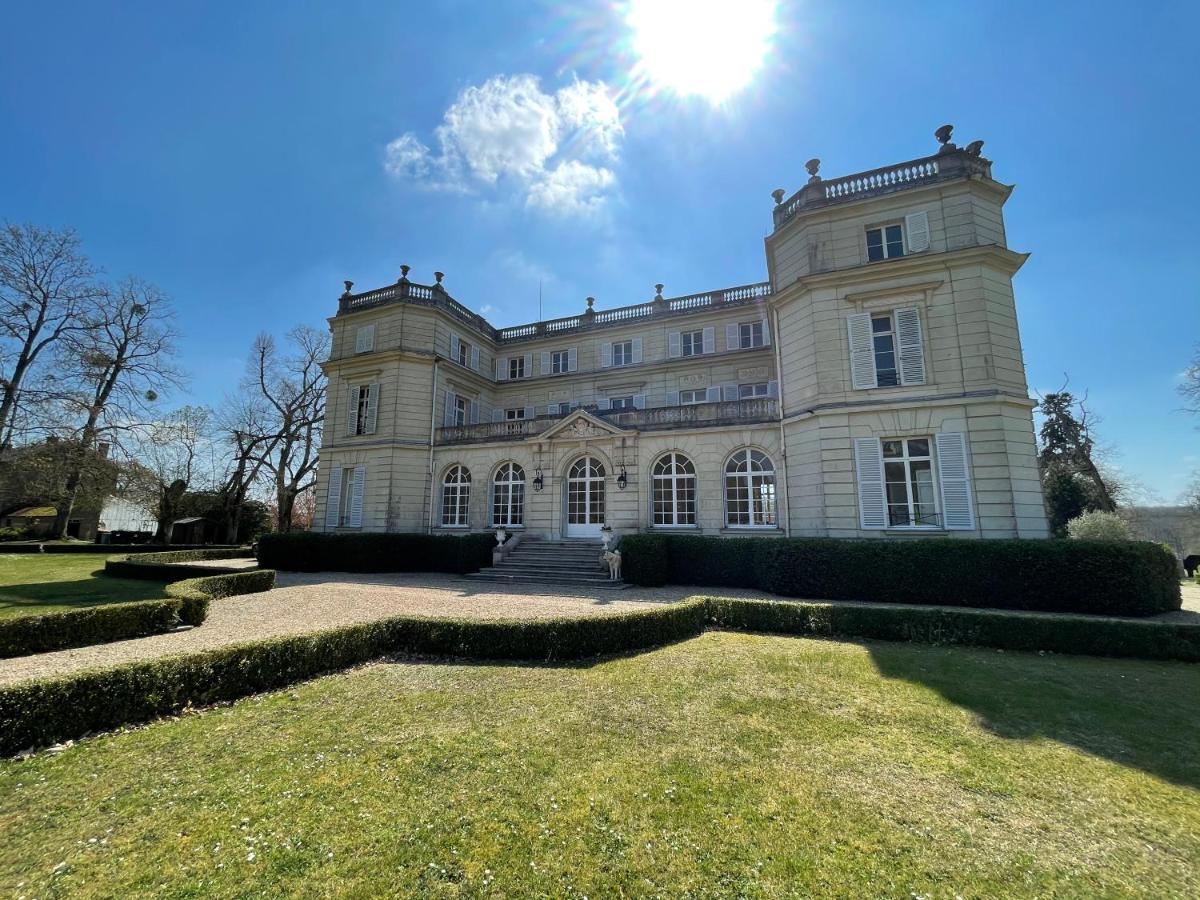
[727,412]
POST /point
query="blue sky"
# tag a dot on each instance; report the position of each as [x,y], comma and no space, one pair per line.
[238,156]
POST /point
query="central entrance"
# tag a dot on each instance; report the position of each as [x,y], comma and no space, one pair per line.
[585,498]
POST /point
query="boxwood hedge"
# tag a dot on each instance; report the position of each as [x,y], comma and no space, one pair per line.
[194,594]
[375,552]
[1104,577]
[172,564]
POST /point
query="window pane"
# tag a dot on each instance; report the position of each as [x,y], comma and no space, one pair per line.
[918,447]
[883,343]
[881,323]
[894,234]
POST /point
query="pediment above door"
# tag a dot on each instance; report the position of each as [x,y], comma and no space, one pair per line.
[580,425]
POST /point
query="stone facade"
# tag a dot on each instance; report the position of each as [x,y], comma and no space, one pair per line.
[873,387]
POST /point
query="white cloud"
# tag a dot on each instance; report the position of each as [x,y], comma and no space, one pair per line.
[508,134]
[488,310]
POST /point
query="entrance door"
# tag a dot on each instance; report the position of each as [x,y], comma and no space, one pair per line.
[585,498]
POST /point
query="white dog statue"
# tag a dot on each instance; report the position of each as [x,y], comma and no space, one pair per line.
[613,558]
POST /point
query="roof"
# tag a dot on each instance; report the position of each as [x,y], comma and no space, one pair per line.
[188,520]
[31,512]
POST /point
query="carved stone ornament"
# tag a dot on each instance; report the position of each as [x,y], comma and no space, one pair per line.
[581,428]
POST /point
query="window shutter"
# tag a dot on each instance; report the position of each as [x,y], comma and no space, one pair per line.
[372,408]
[766,323]
[729,392]
[674,344]
[733,337]
[909,347]
[710,339]
[603,403]
[527,369]
[605,355]
[772,388]
[868,465]
[356,496]
[954,479]
[364,339]
[473,412]
[572,360]
[449,420]
[454,342]
[333,500]
[713,395]
[552,409]
[637,350]
[497,414]
[475,358]
[672,398]
[529,412]
[501,369]
[862,351]
[352,412]
[639,401]
[916,228]
[545,364]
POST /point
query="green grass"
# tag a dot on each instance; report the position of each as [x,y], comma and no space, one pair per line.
[728,765]
[36,583]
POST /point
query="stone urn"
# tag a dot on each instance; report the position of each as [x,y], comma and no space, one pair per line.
[501,536]
[606,535]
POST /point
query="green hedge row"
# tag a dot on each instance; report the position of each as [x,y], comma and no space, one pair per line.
[194,594]
[172,564]
[306,551]
[101,548]
[24,635]
[1125,578]
[43,712]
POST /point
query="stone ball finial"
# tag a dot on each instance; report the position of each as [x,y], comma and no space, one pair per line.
[974,148]
[349,285]
[778,195]
[813,166]
[658,289]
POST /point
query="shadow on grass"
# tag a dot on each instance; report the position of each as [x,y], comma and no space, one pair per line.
[1136,713]
[54,596]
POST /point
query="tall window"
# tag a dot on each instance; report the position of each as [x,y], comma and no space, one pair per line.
[750,335]
[749,490]
[362,411]
[559,362]
[674,479]
[516,367]
[508,495]
[464,354]
[346,500]
[691,343]
[460,410]
[622,353]
[621,403]
[883,337]
[885,242]
[908,475]
[687,398]
[456,497]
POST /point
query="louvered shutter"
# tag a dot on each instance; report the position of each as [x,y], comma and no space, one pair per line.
[772,388]
[868,466]
[909,348]
[497,414]
[572,360]
[713,395]
[605,355]
[473,414]
[862,351]
[672,398]
[527,368]
[333,499]
[475,358]
[916,229]
[352,411]
[710,339]
[454,345]
[372,408]
[639,401]
[545,362]
[766,326]
[729,392]
[364,339]
[449,420]
[954,480]
[552,409]
[501,369]
[530,412]
[674,344]
[733,337]
[603,403]
[356,496]
[637,350]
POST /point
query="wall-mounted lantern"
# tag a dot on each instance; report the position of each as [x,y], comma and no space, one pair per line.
[538,482]
[623,479]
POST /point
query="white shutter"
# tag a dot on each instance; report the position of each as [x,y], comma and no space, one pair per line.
[916,229]
[637,350]
[766,323]
[605,355]
[473,415]
[733,337]
[527,369]
[497,414]
[356,496]
[545,362]
[710,339]
[603,403]
[729,392]
[909,348]
[364,339]
[352,412]
[572,359]
[672,398]
[454,342]
[954,479]
[333,499]
[713,395]
[552,409]
[475,358]
[372,408]
[449,420]
[639,401]
[868,466]
[772,388]
[529,412]
[675,344]
[862,351]
[501,369]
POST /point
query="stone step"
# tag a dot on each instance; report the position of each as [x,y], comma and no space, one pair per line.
[564,558]
[565,581]
[590,571]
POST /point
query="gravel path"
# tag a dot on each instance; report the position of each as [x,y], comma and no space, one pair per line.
[305,603]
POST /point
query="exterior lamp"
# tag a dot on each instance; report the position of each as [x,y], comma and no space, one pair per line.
[623,479]
[538,483]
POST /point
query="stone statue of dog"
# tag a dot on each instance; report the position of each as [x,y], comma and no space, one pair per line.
[613,558]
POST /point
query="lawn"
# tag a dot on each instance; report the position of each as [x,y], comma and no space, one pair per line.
[727,765]
[35,583]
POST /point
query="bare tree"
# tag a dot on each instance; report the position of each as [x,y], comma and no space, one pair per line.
[242,422]
[290,391]
[1189,389]
[46,285]
[174,454]
[117,366]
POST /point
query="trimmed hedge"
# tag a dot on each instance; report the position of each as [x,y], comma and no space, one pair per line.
[172,565]
[194,594]
[1124,578]
[25,635]
[45,712]
[307,551]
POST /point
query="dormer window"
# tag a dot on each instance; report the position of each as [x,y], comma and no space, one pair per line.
[885,242]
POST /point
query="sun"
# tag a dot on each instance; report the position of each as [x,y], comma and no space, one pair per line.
[709,48]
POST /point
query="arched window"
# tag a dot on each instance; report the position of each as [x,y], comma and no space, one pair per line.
[508,495]
[673,480]
[749,490]
[456,496]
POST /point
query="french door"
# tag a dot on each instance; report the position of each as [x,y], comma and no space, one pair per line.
[585,497]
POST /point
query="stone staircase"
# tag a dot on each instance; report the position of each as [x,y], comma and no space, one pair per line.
[538,561]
